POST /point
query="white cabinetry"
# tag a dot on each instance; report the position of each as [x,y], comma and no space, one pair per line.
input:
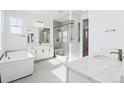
[51,52]
[42,52]
[33,52]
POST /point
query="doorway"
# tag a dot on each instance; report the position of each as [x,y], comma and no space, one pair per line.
[85,37]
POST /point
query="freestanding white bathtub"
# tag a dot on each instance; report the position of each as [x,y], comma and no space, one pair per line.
[16,65]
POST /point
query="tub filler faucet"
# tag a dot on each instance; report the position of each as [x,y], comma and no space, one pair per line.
[120,56]
[7,51]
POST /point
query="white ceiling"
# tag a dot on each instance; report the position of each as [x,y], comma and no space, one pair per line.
[59,15]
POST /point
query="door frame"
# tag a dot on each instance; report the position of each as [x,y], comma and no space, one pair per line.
[85,28]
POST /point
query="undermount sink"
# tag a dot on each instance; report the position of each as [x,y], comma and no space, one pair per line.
[105,58]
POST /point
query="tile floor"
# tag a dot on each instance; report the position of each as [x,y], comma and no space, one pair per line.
[47,71]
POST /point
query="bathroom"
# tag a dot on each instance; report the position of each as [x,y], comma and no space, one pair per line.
[51,46]
[29,35]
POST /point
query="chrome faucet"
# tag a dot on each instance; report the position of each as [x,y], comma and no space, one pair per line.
[1,56]
[120,56]
[6,52]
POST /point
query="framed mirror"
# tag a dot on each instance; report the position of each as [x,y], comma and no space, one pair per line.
[44,35]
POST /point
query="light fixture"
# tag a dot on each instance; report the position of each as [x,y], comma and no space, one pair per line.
[39,24]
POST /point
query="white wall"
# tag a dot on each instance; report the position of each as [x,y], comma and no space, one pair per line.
[13,41]
[1,32]
[99,21]
[0,28]
[75,45]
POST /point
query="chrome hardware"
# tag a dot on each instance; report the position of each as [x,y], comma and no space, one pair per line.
[120,57]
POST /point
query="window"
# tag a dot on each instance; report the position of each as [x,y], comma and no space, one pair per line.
[15,25]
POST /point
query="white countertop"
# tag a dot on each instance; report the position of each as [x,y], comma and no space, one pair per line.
[98,70]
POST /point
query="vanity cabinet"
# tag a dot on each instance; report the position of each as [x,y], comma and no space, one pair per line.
[51,52]
[42,52]
[39,43]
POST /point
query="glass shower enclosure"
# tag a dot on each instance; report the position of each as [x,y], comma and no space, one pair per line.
[63,37]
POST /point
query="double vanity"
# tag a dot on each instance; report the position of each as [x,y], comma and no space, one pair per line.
[96,69]
[43,51]
[39,43]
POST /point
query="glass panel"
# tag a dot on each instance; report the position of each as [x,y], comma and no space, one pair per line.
[15,25]
[19,22]
[65,36]
[18,29]
[13,29]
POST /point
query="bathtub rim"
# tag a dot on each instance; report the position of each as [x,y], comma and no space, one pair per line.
[30,56]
